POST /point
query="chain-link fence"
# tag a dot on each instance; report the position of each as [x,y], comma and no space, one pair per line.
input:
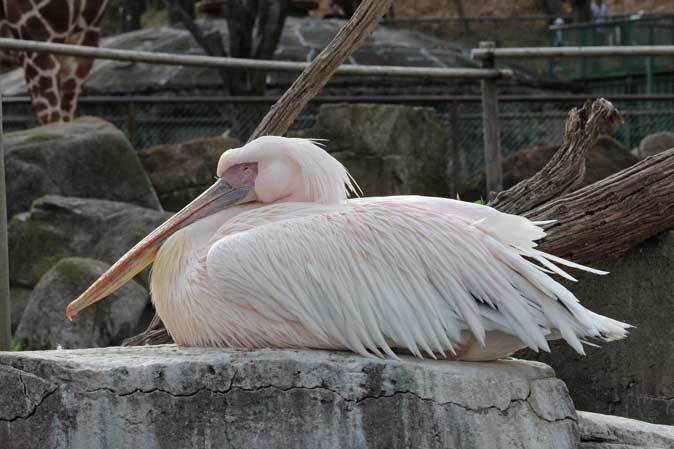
[525,121]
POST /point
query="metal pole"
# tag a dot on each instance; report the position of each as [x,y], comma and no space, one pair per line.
[5,319]
[131,122]
[456,149]
[649,75]
[566,52]
[247,64]
[490,127]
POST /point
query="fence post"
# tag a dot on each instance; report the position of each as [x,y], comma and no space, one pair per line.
[490,127]
[456,149]
[131,122]
[5,321]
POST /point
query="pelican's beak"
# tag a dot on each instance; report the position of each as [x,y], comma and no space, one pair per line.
[217,197]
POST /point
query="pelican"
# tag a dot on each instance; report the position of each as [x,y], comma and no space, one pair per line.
[274,254]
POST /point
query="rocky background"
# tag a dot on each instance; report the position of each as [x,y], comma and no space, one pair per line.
[80,196]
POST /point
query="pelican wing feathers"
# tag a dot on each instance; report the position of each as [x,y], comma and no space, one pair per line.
[400,272]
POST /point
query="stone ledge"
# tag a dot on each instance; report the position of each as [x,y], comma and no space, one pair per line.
[172,397]
[615,432]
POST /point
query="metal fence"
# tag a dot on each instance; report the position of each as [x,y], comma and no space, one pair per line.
[525,121]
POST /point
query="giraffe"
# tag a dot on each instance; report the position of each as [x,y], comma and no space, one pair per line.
[54,82]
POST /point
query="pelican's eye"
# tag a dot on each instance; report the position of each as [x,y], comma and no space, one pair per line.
[247,171]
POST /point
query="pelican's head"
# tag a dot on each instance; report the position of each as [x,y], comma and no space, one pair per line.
[285,169]
[267,170]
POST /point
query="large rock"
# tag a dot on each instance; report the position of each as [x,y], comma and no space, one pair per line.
[389,149]
[88,158]
[169,397]
[606,157]
[58,227]
[612,432]
[44,325]
[632,377]
[18,298]
[656,143]
[180,172]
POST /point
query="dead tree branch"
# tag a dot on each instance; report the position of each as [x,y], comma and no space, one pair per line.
[566,169]
[604,220]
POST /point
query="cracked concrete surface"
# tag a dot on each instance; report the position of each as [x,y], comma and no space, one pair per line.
[170,397]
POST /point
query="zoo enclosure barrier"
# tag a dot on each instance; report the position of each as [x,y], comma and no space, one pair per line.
[526,121]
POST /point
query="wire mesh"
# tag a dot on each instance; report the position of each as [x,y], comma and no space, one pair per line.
[524,123]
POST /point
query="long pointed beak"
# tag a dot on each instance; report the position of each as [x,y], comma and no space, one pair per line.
[217,197]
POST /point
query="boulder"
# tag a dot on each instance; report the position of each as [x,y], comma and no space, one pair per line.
[170,397]
[632,377]
[87,158]
[18,298]
[612,432]
[180,172]
[606,157]
[656,143]
[58,227]
[389,149]
[44,325]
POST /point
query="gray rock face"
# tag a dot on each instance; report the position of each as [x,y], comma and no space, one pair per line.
[44,325]
[388,149]
[180,172]
[18,298]
[168,397]
[88,158]
[631,377]
[612,432]
[58,227]
[656,143]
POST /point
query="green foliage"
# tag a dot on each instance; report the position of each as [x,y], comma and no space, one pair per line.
[17,346]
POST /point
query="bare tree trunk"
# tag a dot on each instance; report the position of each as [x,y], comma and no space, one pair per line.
[176,15]
[211,43]
[255,28]
[458,4]
[271,16]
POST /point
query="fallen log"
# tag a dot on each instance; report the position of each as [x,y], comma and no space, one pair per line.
[566,169]
[604,220]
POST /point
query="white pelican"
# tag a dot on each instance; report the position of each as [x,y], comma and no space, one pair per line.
[274,255]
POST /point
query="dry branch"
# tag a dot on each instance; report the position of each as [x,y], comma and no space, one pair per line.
[566,169]
[283,114]
[602,221]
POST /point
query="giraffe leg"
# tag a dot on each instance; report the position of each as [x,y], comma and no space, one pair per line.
[41,74]
[74,72]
